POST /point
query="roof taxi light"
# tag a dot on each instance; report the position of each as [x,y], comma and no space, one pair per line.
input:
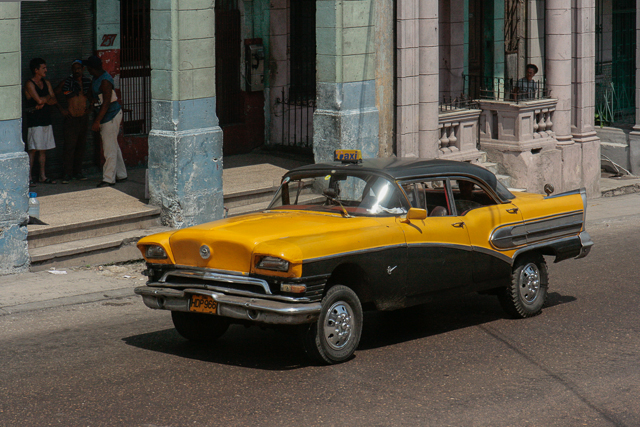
[155,252]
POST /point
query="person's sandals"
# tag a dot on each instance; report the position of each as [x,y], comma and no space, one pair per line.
[121,179]
[47,181]
[105,183]
[31,183]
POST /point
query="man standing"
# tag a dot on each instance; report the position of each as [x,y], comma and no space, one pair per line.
[107,121]
[527,89]
[76,89]
[40,98]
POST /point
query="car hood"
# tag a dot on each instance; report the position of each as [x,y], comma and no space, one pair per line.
[294,236]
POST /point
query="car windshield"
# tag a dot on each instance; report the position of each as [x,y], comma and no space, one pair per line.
[353,193]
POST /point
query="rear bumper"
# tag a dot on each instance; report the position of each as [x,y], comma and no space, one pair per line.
[245,308]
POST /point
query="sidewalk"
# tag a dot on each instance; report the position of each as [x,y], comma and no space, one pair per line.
[55,288]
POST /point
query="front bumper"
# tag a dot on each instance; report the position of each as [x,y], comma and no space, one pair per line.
[245,308]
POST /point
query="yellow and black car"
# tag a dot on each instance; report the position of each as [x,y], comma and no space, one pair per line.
[381,234]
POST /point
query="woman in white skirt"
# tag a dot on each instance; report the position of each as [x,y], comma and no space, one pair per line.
[40,98]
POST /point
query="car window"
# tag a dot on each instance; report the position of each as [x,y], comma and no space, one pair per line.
[468,195]
[357,192]
[430,195]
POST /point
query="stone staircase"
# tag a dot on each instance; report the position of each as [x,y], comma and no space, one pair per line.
[495,168]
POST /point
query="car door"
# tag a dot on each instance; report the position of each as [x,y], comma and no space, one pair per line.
[438,247]
[482,213]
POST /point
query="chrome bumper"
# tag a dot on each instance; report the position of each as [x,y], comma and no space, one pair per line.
[586,242]
[237,307]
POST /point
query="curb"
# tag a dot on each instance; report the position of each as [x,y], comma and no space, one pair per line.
[67,301]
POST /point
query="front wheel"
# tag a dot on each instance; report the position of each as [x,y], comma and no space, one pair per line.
[199,326]
[527,292]
[336,335]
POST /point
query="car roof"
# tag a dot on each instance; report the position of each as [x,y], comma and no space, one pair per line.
[404,168]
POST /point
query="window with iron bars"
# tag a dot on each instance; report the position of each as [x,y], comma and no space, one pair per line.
[135,66]
[302,74]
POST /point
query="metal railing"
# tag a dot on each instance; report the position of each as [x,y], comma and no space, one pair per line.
[615,104]
[501,89]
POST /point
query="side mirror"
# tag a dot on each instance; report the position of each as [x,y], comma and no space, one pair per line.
[415,214]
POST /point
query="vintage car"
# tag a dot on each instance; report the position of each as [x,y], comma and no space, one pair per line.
[353,235]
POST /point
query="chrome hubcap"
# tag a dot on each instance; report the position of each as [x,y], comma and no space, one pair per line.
[529,283]
[338,325]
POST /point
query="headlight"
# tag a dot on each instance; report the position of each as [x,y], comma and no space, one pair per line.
[273,263]
[155,252]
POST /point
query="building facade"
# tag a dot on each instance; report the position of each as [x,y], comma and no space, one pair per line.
[201,79]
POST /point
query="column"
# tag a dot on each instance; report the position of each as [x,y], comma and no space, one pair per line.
[584,94]
[558,69]
[407,79]
[346,115]
[559,78]
[429,77]
[14,162]
[185,142]
[634,137]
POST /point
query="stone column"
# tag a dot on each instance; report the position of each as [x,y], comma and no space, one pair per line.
[559,78]
[407,80]
[584,94]
[558,69]
[418,76]
[634,137]
[185,142]
[14,162]
[429,77]
[346,115]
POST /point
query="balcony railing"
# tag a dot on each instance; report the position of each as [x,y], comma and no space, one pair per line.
[501,89]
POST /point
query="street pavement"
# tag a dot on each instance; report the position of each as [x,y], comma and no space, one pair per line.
[70,286]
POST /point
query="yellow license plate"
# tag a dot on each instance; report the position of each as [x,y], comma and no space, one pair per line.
[203,304]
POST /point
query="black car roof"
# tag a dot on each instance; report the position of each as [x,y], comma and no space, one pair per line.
[403,168]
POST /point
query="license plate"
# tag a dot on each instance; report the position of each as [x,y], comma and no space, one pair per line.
[203,304]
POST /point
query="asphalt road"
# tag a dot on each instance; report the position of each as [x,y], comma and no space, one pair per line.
[454,363]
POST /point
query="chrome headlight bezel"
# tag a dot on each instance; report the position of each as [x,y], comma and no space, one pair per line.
[155,252]
[273,263]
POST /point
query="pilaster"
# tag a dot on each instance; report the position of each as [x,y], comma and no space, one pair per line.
[14,162]
[185,142]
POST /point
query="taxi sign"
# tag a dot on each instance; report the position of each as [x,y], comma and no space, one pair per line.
[348,156]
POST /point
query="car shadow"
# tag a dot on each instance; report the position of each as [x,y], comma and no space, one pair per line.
[281,349]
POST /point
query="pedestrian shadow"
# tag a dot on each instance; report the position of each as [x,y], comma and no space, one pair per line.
[281,349]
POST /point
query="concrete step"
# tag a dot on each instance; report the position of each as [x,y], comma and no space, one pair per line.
[106,249]
[493,167]
[52,235]
[250,197]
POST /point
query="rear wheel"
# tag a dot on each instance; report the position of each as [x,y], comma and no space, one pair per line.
[199,327]
[527,292]
[336,335]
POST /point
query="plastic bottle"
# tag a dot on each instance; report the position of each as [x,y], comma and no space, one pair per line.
[34,206]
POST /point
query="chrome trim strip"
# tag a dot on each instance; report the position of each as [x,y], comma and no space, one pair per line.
[440,245]
[214,270]
[511,236]
[228,291]
[566,193]
[360,251]
[218,277]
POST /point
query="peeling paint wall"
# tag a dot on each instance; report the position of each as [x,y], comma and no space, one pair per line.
[185,142]
[14,162]
[346,114]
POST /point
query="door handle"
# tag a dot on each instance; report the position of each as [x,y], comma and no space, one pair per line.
[512,210]
[458,224]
